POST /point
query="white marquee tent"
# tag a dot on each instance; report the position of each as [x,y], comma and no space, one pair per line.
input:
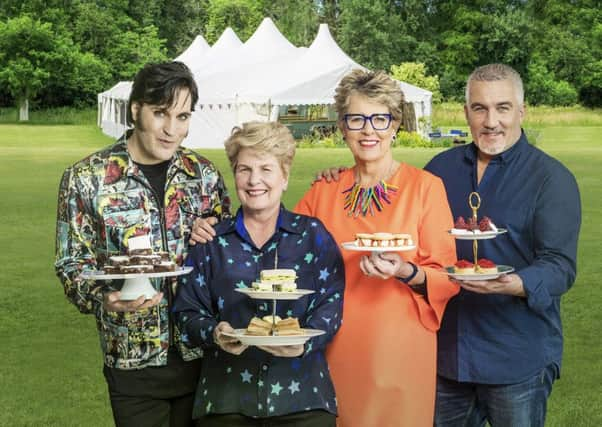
[239,82]
[195,52]
[112,106]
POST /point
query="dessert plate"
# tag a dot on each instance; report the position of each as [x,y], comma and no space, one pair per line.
[135,285]
[255,294]
[352,246]
[273,340]
[501,269]
[475,235]
[101,275]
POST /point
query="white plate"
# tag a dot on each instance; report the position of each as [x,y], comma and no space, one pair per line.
[501,269]
[101,275]
[351,246]
[255,294]
[476,235]
[273,340]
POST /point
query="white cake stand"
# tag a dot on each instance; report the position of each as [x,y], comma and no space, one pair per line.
[135,284]
[275,340]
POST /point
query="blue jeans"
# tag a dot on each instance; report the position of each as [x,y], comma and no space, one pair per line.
[460,404]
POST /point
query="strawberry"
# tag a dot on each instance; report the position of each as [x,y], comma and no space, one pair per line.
[460,224]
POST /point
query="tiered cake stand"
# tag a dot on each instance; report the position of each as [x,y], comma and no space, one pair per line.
[274,340]
[474,201]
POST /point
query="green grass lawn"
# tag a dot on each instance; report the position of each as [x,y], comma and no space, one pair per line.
[51,367]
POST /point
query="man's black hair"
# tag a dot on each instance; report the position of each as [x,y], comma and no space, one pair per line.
[159,84]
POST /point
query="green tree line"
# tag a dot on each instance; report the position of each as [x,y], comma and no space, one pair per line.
[63,52]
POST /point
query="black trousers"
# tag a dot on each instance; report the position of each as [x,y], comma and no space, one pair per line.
[315,418]
[156,396]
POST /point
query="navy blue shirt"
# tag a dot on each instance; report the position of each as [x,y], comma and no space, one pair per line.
[503,339]
[256,383]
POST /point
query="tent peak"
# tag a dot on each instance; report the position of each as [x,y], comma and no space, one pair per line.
[324,38]
[228,37]
[228,40]
[267,36]
[194,52]
[200,39]
[325,50]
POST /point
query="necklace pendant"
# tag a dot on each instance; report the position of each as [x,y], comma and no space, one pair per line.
[361,201]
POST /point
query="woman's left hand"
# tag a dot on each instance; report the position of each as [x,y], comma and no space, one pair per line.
[228,344]
[284,350]
[383,264]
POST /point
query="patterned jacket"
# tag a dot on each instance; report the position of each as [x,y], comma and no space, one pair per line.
[103,200]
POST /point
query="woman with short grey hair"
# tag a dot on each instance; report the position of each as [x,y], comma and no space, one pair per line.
[277,384]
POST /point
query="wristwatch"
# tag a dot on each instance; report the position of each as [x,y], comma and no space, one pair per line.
[408,279]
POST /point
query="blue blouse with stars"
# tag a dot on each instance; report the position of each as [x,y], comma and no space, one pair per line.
[256,383]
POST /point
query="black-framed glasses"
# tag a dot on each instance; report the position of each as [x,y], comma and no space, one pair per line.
[379,121]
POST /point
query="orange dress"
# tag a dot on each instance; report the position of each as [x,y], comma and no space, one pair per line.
[383,360]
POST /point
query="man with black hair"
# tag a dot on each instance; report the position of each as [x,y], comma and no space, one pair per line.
[144,184]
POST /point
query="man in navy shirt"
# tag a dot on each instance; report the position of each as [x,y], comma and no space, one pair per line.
[500,343]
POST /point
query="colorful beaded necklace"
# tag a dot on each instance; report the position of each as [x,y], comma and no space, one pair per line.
[359,200]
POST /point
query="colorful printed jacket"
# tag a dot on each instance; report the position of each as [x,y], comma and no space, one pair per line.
[103,200]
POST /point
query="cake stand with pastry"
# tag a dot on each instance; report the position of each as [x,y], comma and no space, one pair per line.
[274,284]
[470,229]
[475,230]
[137,268]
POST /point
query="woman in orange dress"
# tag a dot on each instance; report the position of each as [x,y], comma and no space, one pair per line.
[383,360]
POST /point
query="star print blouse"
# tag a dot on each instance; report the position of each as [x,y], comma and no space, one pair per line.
[256,383]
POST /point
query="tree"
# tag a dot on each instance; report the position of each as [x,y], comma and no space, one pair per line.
[297,20]
[415,73]
[81,77]
[181,22]
[590,92]
[364,32]
[39,60]
[479,33]
[145,13]
[123,44]
[556,39]
[93,27]
[244,16]
[570,44]
[545,88]
[27,47]
[131,50]
[328,11]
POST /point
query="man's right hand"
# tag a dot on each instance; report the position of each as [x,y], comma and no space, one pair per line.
[202,230]
[113,302]
[331,174]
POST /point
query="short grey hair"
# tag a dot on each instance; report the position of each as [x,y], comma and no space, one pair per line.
[264,137]
[376,86]
[497,72]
